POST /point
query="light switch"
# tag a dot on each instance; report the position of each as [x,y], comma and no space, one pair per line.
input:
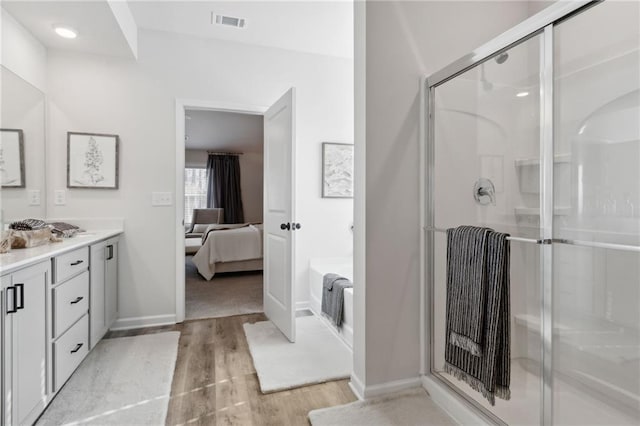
[34,197]
[60,197]
[161,199]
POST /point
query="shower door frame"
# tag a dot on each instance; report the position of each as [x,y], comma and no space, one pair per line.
[540,24]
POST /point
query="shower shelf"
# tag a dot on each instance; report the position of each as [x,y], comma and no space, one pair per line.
[557,159]
[532,323]
[535,211]
[578,327]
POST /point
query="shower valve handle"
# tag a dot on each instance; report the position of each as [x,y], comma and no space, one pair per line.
[484,192]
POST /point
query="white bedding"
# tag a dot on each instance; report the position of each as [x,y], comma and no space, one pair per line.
[228,245]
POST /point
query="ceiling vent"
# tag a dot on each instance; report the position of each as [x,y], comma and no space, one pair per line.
[227,20]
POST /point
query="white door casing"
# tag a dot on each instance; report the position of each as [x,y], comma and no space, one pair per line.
[279,214]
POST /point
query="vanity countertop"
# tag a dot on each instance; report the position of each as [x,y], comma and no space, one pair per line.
[19,258]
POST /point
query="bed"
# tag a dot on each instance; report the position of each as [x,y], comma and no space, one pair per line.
[229,248]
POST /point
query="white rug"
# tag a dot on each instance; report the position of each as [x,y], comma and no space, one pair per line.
[317,356]
[123,381]
[413,407]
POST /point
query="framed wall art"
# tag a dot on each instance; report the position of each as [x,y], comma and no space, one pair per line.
[92,160]
[12,158]
[337,170]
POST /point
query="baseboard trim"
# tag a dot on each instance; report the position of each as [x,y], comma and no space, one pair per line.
[140,322]
[391,387]
[356,386]
[452,404]
[300,306]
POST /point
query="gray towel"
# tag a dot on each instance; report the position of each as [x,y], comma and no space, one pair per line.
[333,286]
[478,329]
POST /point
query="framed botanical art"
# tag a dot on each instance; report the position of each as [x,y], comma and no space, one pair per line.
[337,170]
[92,160]
[12,158]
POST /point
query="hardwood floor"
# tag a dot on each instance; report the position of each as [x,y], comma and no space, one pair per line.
[215,383]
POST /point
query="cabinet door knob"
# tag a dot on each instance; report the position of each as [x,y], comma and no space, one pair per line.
[77,262]
[77,348]
[79,298]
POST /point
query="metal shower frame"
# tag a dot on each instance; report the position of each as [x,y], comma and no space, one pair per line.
[540,24]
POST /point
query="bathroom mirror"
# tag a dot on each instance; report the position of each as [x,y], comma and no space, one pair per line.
[22,120]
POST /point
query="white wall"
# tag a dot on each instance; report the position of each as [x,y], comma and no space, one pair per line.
[404,42]
[358,377]
[137,101]
[22,53]
[251,177]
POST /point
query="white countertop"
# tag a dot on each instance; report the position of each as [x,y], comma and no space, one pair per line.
[19,258]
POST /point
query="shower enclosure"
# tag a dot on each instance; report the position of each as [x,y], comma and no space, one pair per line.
[537,134]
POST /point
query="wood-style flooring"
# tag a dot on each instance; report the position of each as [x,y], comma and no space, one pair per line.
[215,383]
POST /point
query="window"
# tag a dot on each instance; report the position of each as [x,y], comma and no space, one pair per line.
[195,192]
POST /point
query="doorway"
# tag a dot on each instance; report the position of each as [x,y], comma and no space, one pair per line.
[191,164]
[223,213]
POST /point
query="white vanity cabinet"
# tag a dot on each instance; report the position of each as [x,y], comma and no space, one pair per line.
[70,308]
[104,288]
[26,377]
[50,296]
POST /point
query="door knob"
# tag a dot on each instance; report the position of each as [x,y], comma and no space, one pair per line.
[286,226]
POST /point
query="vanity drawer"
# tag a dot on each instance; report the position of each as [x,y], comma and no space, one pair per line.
[69,264]
[70,302]
[69,351]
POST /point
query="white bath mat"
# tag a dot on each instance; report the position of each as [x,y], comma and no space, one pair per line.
[317,356]
[412,407]
[123,381]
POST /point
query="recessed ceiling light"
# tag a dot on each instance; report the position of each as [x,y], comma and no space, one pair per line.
[65,32]
[522,94]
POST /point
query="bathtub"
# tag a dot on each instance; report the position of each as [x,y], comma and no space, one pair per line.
[338,265]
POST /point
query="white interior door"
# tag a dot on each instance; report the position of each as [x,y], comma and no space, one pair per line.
[279,148]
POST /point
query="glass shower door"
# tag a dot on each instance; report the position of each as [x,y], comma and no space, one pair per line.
[487,136]
[596,264]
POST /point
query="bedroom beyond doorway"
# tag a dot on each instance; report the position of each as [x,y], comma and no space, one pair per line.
[223,192]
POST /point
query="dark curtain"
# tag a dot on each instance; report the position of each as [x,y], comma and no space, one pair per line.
[223,186]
